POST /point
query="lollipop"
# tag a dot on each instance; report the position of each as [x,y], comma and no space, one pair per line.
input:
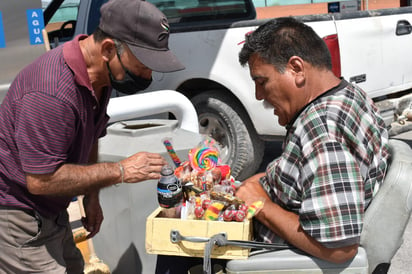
[203,158]
[172,152]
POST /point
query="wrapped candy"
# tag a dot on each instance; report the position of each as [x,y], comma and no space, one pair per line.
[225,172]
[199,212]
[228,215]
[213,211]
[254,208]
[243,207]
[239,216]
[206,203]
[183,172]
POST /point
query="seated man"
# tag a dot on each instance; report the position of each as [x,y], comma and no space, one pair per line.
[335,153]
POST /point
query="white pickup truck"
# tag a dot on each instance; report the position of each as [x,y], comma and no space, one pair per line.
[371,48]
[368,47]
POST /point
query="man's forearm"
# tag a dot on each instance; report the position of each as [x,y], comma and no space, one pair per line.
[286,225]
[72,180]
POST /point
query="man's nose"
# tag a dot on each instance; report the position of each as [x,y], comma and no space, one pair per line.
[258,93]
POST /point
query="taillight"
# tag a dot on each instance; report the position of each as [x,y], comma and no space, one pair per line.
[333,46]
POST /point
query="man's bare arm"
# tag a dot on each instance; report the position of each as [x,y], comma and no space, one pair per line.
[72,180]
[286,224]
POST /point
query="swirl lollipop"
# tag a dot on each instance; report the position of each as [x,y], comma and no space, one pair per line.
[203,158]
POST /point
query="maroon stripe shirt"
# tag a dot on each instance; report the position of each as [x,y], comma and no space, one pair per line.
[49,117]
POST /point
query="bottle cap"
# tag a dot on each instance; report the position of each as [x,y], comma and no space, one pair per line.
[166,170]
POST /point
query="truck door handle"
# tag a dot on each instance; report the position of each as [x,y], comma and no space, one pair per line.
[403,27]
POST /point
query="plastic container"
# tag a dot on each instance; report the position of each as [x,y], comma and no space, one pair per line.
[121,240]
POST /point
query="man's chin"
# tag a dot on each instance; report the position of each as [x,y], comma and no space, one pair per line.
[281,122]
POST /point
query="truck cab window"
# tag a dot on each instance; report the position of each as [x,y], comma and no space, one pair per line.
[184,14]
[62,22]
[180,12]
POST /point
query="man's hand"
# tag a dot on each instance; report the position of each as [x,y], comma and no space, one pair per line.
[251,191]
[94,214]
[142,166]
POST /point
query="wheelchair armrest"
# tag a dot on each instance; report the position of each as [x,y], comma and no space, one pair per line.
[292,261]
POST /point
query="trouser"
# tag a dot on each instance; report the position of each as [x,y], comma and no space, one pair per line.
[30,243]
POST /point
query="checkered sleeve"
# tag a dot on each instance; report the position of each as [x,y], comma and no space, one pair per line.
[333,195]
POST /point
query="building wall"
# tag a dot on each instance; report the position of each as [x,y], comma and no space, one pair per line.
[304,9]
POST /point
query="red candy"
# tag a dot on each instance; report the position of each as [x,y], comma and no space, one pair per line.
[228,215]
[243,207]
[239,216]
[224,171]
[206,203]
[199,212]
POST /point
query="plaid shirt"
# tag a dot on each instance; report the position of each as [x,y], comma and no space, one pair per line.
[334,159]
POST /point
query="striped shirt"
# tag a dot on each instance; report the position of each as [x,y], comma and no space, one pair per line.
[334,159]
[49,117]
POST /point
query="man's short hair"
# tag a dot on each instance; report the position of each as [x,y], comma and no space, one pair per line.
[279,39]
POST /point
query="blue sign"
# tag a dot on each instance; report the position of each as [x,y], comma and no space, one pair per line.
[2,39]
[333,7]
[35,23]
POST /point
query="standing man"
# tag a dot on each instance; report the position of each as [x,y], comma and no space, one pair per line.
[51,119]
[335,152]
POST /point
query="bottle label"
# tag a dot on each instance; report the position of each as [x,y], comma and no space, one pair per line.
[169,195]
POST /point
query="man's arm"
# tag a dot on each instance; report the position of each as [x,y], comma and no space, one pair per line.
[93,212]
[286,224]
[72,180]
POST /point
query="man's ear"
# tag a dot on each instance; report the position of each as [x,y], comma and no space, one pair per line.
[108,49]
[297,67]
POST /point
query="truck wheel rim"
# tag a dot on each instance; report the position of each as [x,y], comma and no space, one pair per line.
[212,127]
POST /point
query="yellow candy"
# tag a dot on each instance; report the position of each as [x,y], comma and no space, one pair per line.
[212,212]
[253,208]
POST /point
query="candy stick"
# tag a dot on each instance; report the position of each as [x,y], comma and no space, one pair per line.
[253,209]
[172,152]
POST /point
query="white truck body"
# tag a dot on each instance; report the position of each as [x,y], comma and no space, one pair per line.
[368,46]
[372,48]
[371,54]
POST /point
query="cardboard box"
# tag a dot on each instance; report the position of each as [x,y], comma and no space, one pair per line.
[158,236]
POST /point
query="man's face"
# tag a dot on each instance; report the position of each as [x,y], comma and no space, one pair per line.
[131,63]
[275,88]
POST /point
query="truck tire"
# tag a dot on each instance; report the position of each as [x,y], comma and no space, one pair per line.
[221,118]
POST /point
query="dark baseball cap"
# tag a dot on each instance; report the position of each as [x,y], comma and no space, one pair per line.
[144,28]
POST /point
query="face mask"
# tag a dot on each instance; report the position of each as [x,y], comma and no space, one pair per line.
[131,83]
